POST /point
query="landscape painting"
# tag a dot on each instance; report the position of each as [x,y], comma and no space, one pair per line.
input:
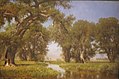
[59,39]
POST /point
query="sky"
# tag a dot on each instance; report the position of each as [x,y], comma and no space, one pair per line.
[93,10]
[54,52]
[86,10]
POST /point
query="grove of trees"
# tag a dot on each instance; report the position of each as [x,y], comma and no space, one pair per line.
[81,40]
[26,37]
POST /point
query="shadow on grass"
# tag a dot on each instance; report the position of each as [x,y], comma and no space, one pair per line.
[24,64]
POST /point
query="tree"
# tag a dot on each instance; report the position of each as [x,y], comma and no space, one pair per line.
[26,12]
[5,38]
[60,33]
[35,43]
[82,32]
[108,38]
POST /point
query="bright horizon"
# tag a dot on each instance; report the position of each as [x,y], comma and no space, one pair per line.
[54,52]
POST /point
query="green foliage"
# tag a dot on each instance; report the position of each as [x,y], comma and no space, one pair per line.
[82,34]
[29,33]
[108,29]
[60,33]
[34,43]
[30,37]
[87,38]
[5,39]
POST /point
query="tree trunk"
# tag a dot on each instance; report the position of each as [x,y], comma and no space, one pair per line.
[111,57]
[82,57]
[10,56]
[67,56]
[77,58]
[23,56]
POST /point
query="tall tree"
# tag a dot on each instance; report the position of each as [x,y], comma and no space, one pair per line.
[26,12]
[5,38]
[108,30]
[82,32]
[35,43]
[61,33]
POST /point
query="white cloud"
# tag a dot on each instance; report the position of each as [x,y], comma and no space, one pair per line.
[54,51]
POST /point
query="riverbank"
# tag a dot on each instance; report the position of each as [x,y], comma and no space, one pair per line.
[91,67]
[28,69]
[32,69]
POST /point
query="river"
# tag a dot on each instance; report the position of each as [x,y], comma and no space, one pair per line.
[81,74]
[67,74]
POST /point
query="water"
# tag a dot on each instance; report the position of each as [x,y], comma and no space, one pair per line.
[57,68]
[88,75]
[80,74]
[72,75]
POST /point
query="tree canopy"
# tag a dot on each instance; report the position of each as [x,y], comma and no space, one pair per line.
[26,13]
[26,36]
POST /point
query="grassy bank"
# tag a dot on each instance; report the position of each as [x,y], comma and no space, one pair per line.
[28,69]
[92,67]
[35,70]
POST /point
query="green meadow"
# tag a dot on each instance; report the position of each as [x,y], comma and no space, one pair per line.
[32,69]
[27,69]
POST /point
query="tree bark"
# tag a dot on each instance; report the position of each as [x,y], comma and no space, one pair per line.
[111,58]
[77,58]
[10,56]
[67,56]
[82,57]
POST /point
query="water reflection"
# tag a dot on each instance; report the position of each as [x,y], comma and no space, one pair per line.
[88,75]
[80,74]
[72,75]
[57,68]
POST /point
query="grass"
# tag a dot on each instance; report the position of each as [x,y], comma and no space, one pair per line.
[28,69]
[94,67]
[35,70]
